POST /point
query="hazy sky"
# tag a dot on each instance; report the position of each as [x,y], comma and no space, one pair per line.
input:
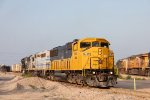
[30,26]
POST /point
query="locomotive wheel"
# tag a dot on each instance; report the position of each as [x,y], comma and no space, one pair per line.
[111,82]
[91,81]
[34,73]
[52,77]
[71,78]
[48,77]
[80,80]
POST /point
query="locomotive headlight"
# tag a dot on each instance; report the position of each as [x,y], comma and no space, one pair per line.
[94,72]
[111,73]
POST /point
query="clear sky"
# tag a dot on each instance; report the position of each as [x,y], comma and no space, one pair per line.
[30,26]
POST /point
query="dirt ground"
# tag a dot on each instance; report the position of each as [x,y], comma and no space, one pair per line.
[16,87]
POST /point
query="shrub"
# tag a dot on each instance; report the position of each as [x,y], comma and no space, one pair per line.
[120,76]
[128,77]
[27,75]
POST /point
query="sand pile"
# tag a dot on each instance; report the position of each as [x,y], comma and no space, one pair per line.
[33,81]
[14,87]
[34,88]
[13,79]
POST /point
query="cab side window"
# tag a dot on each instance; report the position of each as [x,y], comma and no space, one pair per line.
[85,44]
[75,47]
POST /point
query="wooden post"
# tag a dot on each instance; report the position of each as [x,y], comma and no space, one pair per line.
[117,73]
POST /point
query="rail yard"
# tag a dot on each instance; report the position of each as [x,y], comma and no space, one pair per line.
[74,50]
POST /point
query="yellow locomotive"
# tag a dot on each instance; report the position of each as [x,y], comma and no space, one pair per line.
[135,65]
[85,61]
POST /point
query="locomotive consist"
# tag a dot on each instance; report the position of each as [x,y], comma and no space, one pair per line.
[135,65]
[86,61]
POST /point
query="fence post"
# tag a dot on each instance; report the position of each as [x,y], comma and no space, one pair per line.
[134,84]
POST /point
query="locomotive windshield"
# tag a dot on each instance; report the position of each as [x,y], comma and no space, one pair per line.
[96,44]
[100,44]
[85,44]
[103,44]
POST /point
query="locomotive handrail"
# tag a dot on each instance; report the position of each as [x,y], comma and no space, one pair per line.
[83,70]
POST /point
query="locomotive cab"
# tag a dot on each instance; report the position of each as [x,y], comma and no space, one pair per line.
[93,54]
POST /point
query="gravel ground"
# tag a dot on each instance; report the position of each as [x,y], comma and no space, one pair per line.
[15,87]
